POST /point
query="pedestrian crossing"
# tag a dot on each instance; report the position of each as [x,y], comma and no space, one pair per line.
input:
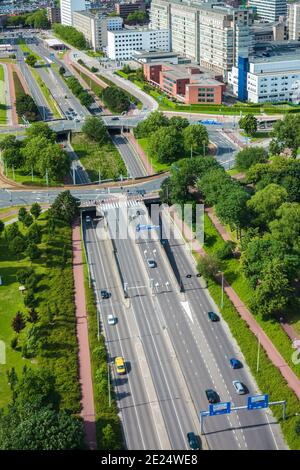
[119,204]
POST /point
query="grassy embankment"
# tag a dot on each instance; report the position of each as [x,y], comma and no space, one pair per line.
[2,98]
[95,157]
[57,350]
[269,378]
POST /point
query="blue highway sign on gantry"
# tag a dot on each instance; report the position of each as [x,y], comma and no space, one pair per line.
[258,401]
[140,227]
[219,408]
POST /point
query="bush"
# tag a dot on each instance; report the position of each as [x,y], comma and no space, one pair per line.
[115,99]
[14,343]
[226,251]
[24,274]
[29,300]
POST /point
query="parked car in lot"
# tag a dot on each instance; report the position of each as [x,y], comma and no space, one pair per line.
[193,441]
[151,263]
[235,363]
[104,294]
[212,396]
[120,365]
[213,316]
[239,387]
[111,319]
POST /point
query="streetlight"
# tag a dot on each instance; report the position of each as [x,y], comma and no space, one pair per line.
[222,293]
[258,351]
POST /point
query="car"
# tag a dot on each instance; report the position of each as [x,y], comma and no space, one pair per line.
[151,263]
[235,363]
[104,294]
[71,110]
[111,319]
[114,118]
[213,316]
[77,120]
[193,441]
[212,396]
[239,387]
[120,365]
[88,219]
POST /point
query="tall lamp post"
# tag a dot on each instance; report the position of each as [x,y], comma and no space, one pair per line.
[222,293]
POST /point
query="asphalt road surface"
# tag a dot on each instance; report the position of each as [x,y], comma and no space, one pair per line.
[131,159]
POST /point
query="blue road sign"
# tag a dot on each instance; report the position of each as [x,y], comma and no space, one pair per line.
[258,401]
[219,408]
[52,55]
[140,227]
[210,122]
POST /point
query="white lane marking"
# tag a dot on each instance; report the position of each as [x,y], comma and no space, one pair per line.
[187,309]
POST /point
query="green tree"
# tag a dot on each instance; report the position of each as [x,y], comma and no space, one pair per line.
[286,226]
[62,70]
[12,231]
[108,441]
[17,245]
[232,208]
[26,107]
[2,227]
[22,214]
[35,210]
[153,122]
[40,129]
[115,99]
[18,322]
[53,160]
[28,220]
[195,138]
[70,35]
[250,156]
[95,129]
[34,234]
[213,184]
[273,293]
[264,203]
[208,266]
[165,144]
[249,124]
[65,207]
[31,60]
[179,122]
[286,134]
[32,251]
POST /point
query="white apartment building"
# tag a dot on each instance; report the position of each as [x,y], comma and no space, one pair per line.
[67,7]
[272,79]
[121,44]
[210,33]
[94,27]
[269,10]
[294,21]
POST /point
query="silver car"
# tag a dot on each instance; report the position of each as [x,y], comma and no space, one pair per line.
[239,387]
[151,263]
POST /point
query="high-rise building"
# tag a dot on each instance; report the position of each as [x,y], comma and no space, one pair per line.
[210,33]
[53,14]
[94,27]
[269,10]
[67,7]
[123,9]
[294,21]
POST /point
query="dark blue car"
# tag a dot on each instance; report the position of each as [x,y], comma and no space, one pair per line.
[235,363]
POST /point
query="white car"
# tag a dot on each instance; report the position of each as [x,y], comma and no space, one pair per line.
[151,263]
[239,387]
[111,319]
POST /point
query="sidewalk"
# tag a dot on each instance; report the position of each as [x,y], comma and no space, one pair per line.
[11,95]
[148,167]
[85,374]
[275,357]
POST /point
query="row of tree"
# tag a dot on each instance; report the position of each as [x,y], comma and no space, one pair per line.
[115,99]
[170,139]
[83,96]
[27,108]
[71,35]
[38,153]
[37,19]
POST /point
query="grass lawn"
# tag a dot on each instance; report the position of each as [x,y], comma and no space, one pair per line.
[57,350]
[21,176]
[46,92]
[27,49]
[155,164]
[97,89]
[234,275]
[2,97]
[94,157]
[92,53]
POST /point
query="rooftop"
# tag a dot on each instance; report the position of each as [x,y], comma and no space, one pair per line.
[279,52]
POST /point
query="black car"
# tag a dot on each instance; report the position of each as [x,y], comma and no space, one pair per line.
[105,294]
[193,441]
[212,396]
[213,316]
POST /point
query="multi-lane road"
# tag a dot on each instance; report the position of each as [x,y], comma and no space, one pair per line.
[172,350]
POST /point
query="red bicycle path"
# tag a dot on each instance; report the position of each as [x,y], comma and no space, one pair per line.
[84,359]
[275,357]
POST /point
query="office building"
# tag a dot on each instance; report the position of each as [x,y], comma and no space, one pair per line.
[269,10]
[53,15]
[272,75]
[294,21]
[67,7]
[210,33]
[94,27]
[185,83]
[122,44]
[123,9]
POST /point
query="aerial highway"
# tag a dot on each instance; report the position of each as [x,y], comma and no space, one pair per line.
[130,157]
[202,349]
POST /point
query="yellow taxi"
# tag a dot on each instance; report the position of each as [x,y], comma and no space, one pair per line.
[120,365]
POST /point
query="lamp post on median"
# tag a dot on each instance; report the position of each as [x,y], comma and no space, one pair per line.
[222,293]
[258,352]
